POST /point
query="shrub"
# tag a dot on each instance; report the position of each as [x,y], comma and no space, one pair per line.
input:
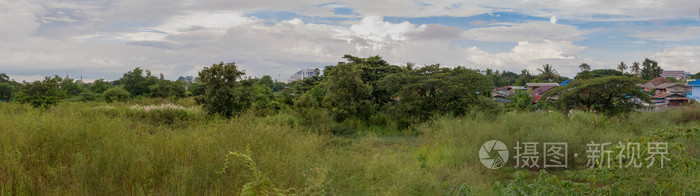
[89,96]
[116,94]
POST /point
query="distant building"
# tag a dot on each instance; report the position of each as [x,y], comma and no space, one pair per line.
[677,74]
[300,75]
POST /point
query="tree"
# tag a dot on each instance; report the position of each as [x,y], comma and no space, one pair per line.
[223,93]
[651,69]
[548,72]
[584,67]
[610,95]
[263,101]
[4,78]
[421,93]
[168,89]
[116,94]
[598,73]
[622,67]
[266,81]
[373,69]
[8,88]
[524,77]
[635,68]
[7,91]
[695,76]
[41,94]
[71,87]
[347,95]
[136,83]
[100,86]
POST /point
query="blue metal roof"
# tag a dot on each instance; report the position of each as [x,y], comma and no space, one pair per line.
[565,82]
[695,83]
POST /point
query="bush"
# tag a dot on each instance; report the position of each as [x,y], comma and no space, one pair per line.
[89,96]
[116,94]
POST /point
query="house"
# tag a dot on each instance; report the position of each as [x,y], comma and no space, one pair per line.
[538,92]
[677,74]
[670,99]
[662,85]
[506,91]
[695,90]
[533,86]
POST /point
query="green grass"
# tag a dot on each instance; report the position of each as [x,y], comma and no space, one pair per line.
[91,149]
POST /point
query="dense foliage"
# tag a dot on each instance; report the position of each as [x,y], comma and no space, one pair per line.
[610,95]
[223,93]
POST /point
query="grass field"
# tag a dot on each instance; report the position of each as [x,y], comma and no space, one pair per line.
[143,147]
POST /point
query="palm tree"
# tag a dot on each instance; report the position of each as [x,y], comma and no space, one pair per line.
[622,67]
[635,68]
[548,72]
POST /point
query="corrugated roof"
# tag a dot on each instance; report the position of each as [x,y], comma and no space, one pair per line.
[541,84]
[541,90]
[694,83]
[660,80]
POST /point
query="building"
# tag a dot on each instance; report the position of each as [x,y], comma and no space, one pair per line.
[670,99]
[300,75]
[677,74]
[506,91]
[533,86]
[695,90]
[662,85]
[538,92]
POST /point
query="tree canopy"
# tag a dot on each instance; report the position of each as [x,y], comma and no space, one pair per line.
[610,95]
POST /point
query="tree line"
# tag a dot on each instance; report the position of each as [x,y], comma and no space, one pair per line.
[368,89]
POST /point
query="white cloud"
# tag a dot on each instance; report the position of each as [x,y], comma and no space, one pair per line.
[679,58]
[670,34]
[107,38]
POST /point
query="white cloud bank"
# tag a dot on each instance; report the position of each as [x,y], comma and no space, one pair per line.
[102,39]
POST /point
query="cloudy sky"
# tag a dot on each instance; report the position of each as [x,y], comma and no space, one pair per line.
[105,38]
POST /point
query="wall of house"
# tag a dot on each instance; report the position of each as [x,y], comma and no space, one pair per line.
[696,93]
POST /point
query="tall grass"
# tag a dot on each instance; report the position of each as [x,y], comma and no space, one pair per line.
[97,149]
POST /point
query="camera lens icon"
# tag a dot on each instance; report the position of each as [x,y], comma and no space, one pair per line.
[493,154]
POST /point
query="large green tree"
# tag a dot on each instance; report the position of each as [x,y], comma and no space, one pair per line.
[610,95]
[422,93]
[100,86]
[41,94]
[347,95]
[223,93]
[373,69]
[137,83]
[651,69]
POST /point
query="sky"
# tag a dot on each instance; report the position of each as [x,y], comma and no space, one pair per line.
[105,38]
